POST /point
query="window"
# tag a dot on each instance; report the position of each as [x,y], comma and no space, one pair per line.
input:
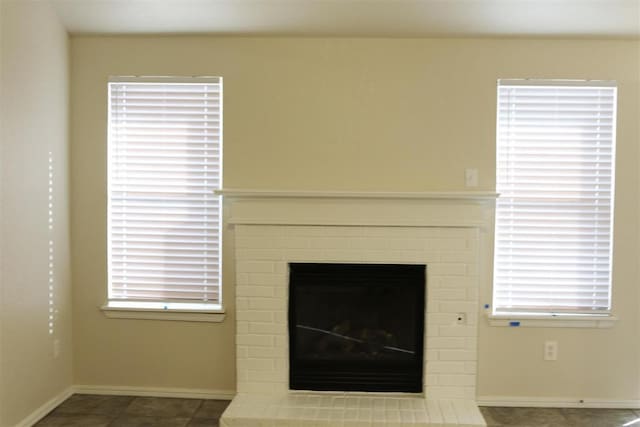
[165,151]
[554,215]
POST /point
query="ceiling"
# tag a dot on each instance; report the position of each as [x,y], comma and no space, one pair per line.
[386,18]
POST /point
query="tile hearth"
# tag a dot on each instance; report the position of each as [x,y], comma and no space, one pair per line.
[349,410]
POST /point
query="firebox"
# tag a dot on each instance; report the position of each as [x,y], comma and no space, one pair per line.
[356,327]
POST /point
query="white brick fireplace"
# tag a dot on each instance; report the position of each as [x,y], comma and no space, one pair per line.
[446,232]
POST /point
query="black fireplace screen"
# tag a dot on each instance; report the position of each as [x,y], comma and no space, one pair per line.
[356,327]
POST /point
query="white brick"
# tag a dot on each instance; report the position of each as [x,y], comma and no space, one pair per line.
[457,282]
[295,242]
[302,255]
[272,353]
[280,292]
[329,243]
[440,367]
[451,254]
[255,340]
[267,304]
[242,352]
[431,355]
[242,327]
[281,341]
[256,364]
[446,392]
[431,379]
[471,343]
[242,279]
[457,331]
[447,294]
[448,269]
[432,330]
[438,343]
[254,291]
[257,242]
[266,279]
[242,303]
[266,329]
[472,244]
[281,364]
[406,244]
[280,317]
[260,387]
[255,316]
[458,355]
[472,269]
[375,243]
[458,307]
[441,318]
[260,254]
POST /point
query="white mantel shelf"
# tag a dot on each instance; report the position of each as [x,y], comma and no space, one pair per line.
[422,195]
[335,208]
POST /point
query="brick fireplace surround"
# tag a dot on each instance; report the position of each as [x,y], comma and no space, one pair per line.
[445,231]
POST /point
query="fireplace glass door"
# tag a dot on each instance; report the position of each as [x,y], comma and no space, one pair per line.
[356,327]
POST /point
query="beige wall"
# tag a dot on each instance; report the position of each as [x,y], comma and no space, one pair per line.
[348,114]
[34,110]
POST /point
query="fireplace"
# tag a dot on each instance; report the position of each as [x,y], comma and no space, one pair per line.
[356,327]
[275,234]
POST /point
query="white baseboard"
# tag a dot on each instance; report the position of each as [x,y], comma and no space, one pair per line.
[47,407]
[556,402]
[184,393]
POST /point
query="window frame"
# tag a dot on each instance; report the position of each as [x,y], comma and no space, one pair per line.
[159,309]
[555,318]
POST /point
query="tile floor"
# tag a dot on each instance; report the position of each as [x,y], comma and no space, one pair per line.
[83,410]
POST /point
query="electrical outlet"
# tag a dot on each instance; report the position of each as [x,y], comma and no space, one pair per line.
[471,177]
[551,350]
[461,318]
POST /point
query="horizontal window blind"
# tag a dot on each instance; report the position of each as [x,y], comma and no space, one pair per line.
[164,165]
[554,215]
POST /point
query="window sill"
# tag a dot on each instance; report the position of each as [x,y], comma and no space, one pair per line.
[146,311]
[552,321]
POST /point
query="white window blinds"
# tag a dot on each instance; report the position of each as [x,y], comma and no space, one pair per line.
[554,215]
[164,165]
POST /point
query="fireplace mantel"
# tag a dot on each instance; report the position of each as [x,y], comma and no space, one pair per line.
[332,208]
[424,195]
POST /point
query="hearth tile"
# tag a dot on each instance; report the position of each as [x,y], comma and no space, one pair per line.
[350,414]
[251,411]
[352,402]
[392,415]
[390,403]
